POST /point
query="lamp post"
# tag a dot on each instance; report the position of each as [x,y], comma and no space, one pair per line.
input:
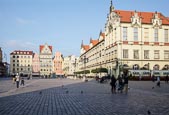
[149,69]
[75,68]
[85,60]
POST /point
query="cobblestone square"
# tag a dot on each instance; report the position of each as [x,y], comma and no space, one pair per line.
[75,97]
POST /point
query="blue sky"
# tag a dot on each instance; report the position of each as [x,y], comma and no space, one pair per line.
[26,24]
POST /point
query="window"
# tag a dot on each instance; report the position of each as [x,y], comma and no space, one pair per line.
[146,54]
[156,54]
[13,64]
[135,34]
[146,34]
[13,60]
[165,35]
[166,54]
[125,53]
[156,35]
[136,54]
[13,56]
[124,33]
[17,56]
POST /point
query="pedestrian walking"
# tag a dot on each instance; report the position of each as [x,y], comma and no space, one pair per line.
[158,81]
[13,79]
[17,80]
[126,81]
[166,79]
[140,77]
[113,84]
[153,78]
[120,84]
[22,81]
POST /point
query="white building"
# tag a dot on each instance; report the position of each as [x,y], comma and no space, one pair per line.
[45,57]
[133,40]
[69,65]
[138,40]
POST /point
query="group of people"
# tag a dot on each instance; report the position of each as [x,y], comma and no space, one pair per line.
[122,83]
[158,79]
[17,79]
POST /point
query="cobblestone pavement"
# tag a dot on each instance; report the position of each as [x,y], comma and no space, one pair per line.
[74,97]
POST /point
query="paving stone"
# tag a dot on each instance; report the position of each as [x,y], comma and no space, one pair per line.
[49,97]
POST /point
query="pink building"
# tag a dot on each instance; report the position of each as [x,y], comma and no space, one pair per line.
[57,64]
[35,65]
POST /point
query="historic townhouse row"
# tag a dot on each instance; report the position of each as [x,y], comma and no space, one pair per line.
[132,39]
[43,64]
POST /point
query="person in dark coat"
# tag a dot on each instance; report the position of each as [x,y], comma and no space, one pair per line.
[113,84]
[126,81]
[121,85]
[22,81]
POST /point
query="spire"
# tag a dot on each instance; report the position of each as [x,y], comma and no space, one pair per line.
[90,39]
[100,32]
[82,44]
[111,6]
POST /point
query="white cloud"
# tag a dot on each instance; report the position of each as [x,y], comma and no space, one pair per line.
[24,21]
[21,45]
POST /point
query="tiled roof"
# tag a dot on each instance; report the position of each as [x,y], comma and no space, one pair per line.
[19,52]
[86,47]
[42,46]
[94,42]
[145,16]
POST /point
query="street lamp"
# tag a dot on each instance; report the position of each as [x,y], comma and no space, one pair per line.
[149,69]
[85,61]
[75,68]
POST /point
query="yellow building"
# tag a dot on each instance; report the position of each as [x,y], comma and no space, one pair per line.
[21,62]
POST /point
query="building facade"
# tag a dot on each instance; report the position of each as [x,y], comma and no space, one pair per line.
[45,57]
[138,40]
[21,62]
[57,64]
[35,65]
[92,55]
[133,40]
[69,65]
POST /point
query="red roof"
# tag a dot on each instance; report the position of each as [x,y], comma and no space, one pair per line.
[94,42]
[18,52]
[86,47]
[145,16]
[42,46]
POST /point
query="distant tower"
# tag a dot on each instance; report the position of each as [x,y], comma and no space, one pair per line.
[111,6]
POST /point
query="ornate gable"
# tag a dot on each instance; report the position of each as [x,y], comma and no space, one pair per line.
[46,49]
[136,20]
[156,21]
